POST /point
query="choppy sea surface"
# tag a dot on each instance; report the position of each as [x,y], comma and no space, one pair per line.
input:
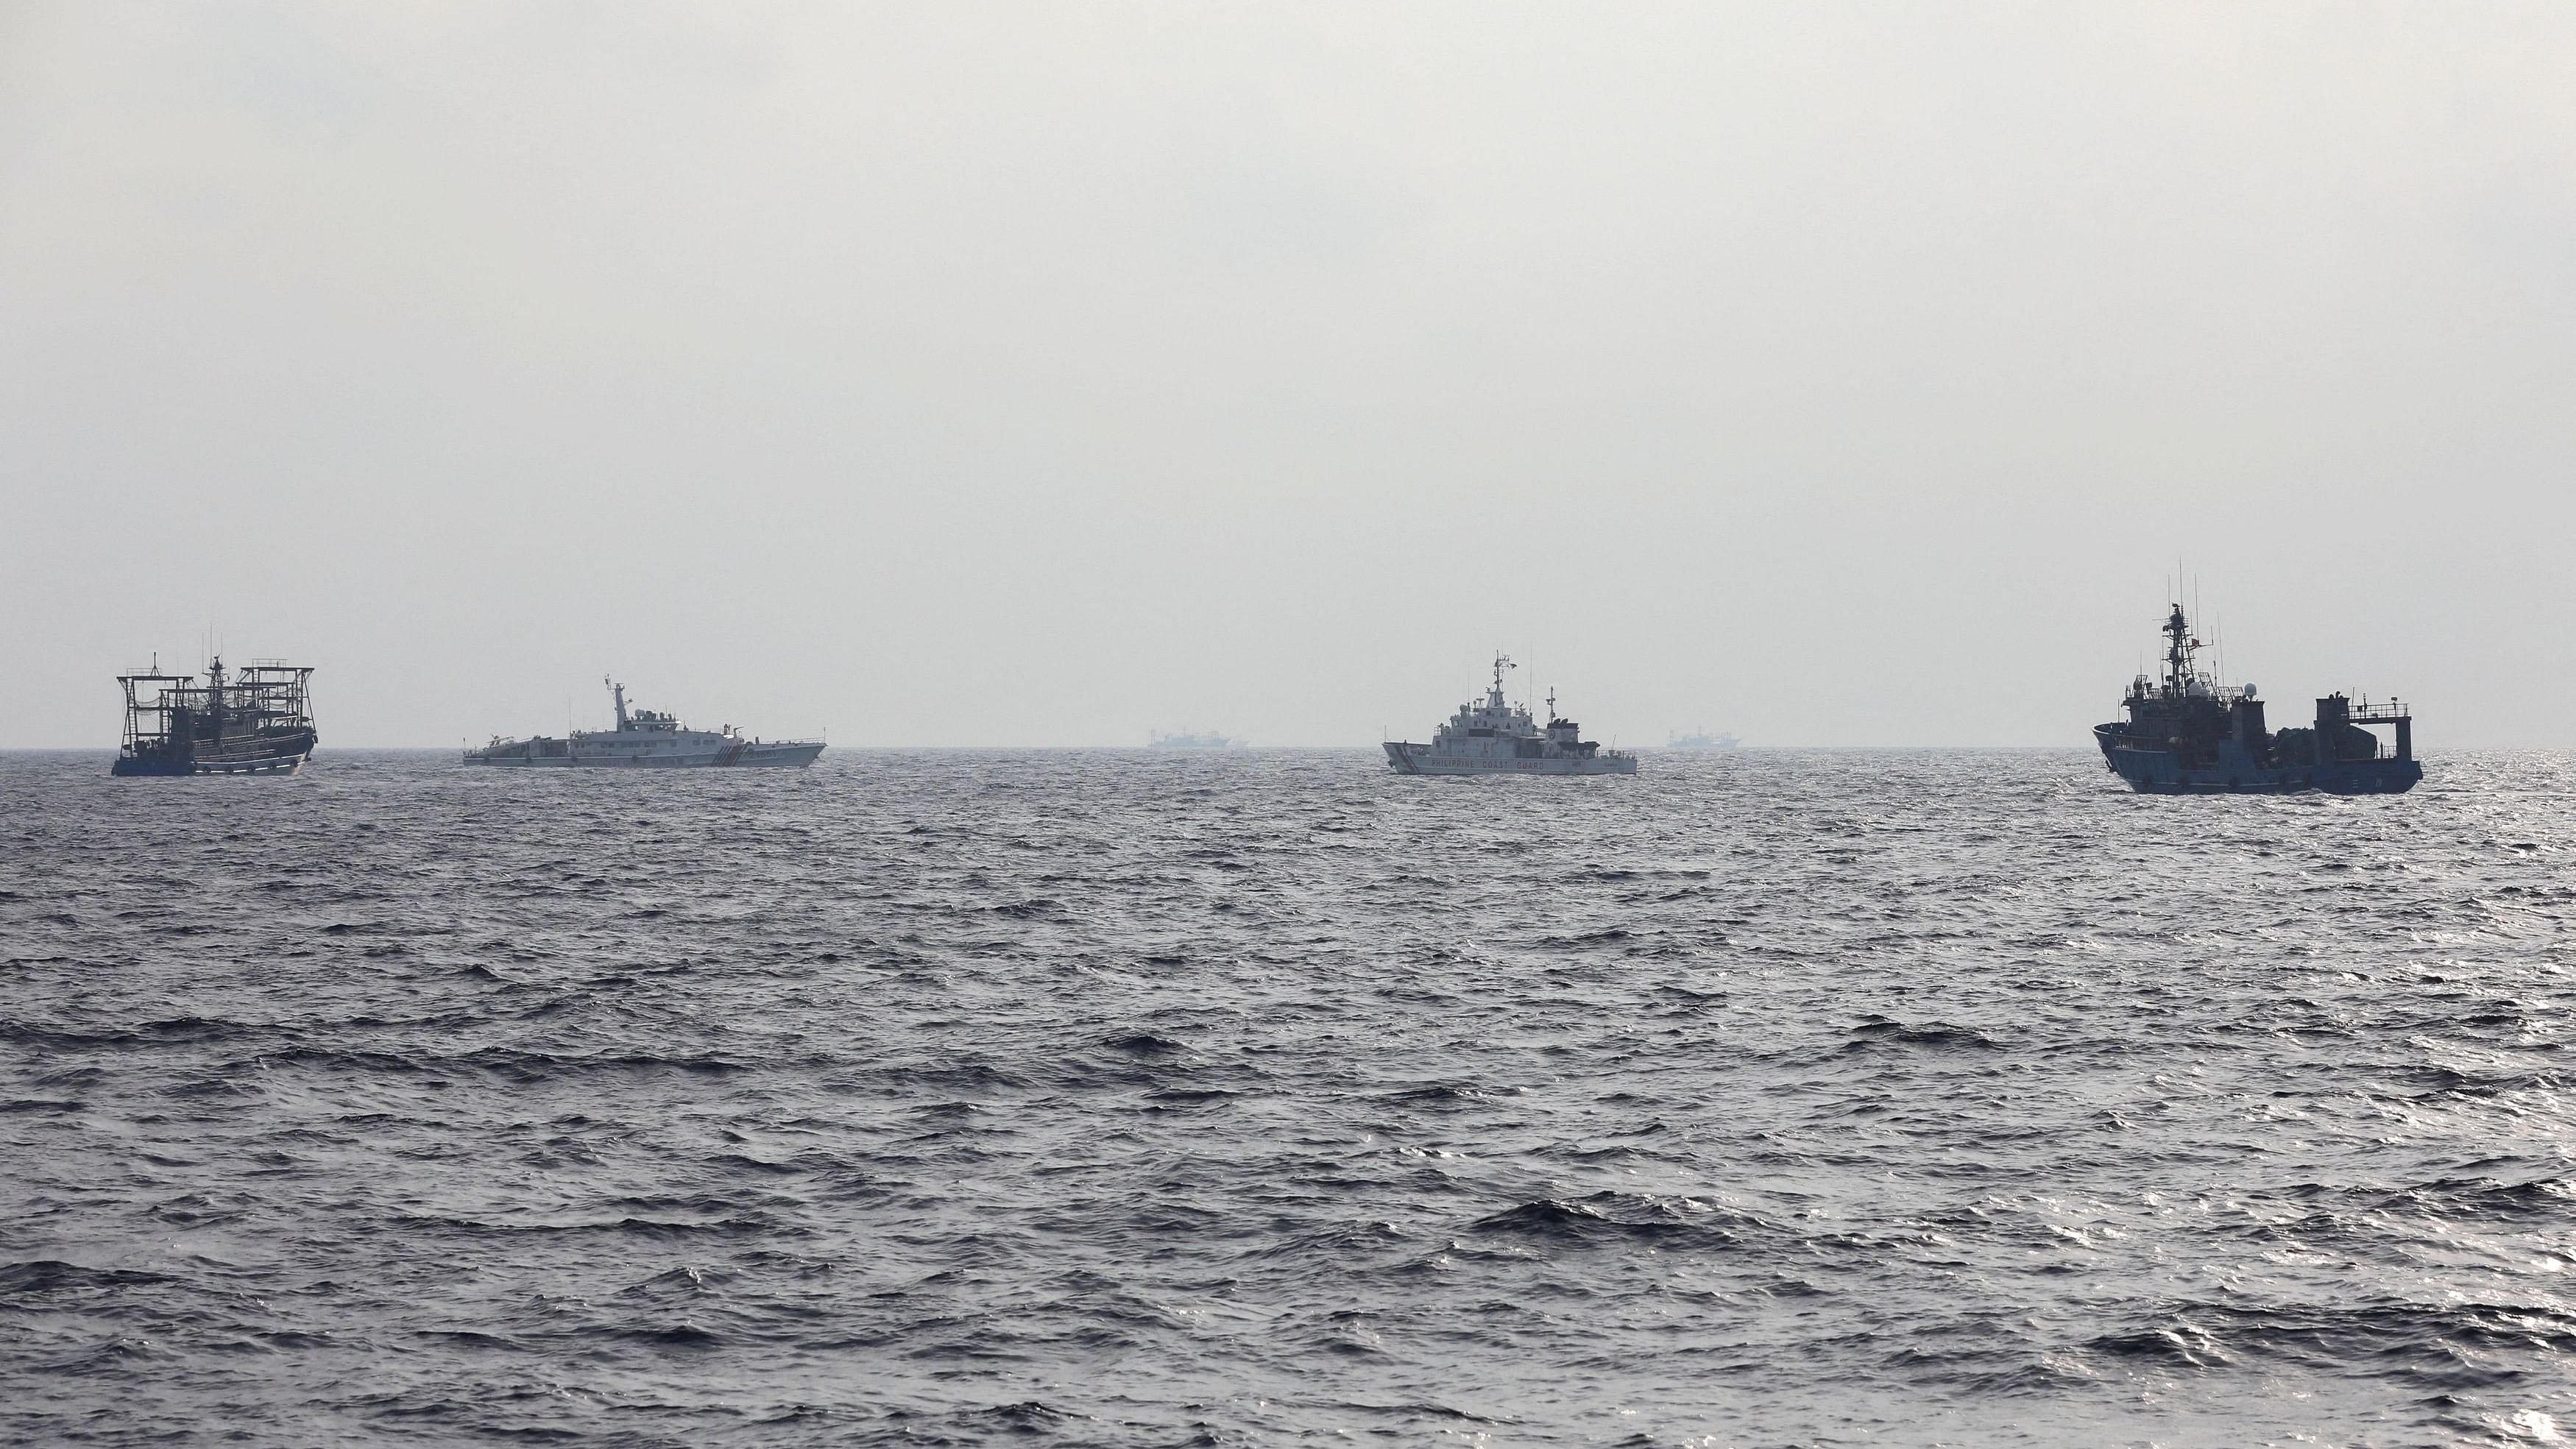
[1766,1098]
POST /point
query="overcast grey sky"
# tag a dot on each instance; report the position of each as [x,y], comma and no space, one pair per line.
[1025,374]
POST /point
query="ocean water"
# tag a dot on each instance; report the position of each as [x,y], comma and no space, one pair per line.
[1766,1098]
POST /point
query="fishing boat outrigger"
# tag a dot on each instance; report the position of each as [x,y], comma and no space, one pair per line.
[257,720]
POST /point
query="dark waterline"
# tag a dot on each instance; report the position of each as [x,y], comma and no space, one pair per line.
[1768,1097]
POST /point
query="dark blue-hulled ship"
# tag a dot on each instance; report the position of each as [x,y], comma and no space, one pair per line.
[2188,735]
[255,721]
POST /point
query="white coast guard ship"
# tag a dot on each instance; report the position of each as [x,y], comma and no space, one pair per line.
[1489,737]
[1700,739]
[647,740]
[1194,740]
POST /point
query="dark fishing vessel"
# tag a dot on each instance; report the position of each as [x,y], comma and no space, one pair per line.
[256,721]
[2186,734]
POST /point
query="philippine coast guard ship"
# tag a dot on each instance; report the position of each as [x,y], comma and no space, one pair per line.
[258,720]
[649,740]
[1489,737]
[2187,734]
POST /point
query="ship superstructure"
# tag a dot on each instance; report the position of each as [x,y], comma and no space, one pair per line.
[1493,737]
[645,740]
[257,720]
[2188,734]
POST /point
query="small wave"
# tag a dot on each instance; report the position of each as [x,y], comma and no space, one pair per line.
[1037,909]
[52,1275]
[1607,1216]
[970,1076]
[1436,1094]
[756,1164]
[2183,1347]
[1028,1416]
[1607,936]
[2440,1341]
[467,1338]
[1879,1031]
[2487,1199]
[534,1066]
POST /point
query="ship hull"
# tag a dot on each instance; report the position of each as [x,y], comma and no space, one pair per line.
[2161,772]
[262,756]
[745,757]
[1412,759]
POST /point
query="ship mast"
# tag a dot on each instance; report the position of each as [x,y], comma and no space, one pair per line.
[2178,648]
[1502,662]
[618,691]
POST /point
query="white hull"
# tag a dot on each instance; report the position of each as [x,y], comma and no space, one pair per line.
[291,766]
[746,757]
[1412,759]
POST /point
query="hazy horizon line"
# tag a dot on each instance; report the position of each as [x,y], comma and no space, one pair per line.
[1372,746]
